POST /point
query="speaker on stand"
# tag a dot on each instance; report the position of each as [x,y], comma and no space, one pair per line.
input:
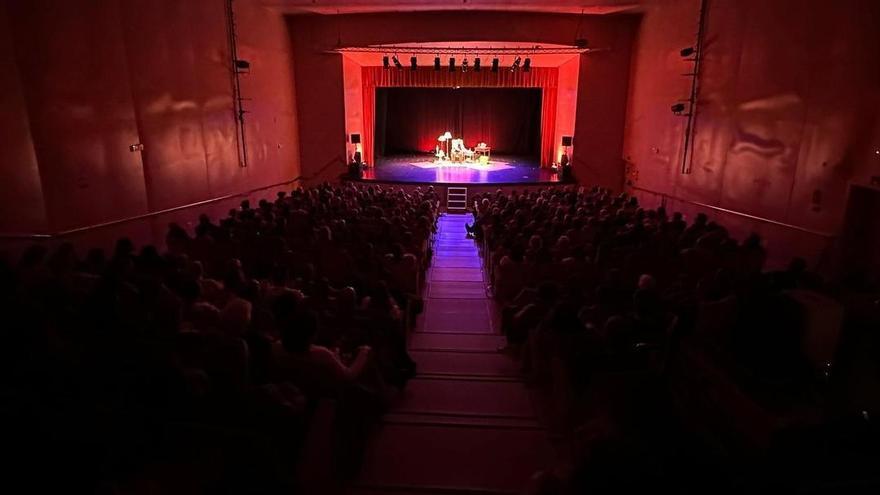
[564,162]
[355,167]
[356,141]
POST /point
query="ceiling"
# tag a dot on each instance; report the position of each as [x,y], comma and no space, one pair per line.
[330,7]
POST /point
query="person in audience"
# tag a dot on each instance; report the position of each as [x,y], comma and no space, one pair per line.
[526,318]
[316,369]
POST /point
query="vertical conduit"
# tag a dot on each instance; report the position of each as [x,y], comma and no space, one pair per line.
[237,100]
[688,155]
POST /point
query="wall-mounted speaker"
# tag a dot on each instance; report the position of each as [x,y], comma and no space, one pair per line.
[566,140]
[355,139]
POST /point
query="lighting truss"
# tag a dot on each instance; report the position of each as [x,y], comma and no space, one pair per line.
[474,51]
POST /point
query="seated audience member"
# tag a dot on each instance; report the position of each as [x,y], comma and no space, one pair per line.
[317,370]
[529,315]
[386,324]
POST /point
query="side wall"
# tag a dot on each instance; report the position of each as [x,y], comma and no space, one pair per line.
[354,101]
[85,79]
[21,193]
[567,97]
[787,115]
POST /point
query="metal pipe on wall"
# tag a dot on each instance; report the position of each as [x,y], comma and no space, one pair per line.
[687,153]
[237,99]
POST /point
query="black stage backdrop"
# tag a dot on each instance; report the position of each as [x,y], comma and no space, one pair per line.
[409,120]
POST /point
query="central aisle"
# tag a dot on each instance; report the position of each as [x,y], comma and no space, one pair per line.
[466,423]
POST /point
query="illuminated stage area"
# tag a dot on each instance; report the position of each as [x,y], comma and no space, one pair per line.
[503,169]
[460,136]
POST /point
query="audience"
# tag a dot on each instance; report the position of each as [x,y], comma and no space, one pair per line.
[599,295]
[241,328]
[260,315]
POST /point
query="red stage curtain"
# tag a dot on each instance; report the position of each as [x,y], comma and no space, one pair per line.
[412,118]
[546,78]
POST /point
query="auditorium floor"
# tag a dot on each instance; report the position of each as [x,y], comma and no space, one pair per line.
[466,423]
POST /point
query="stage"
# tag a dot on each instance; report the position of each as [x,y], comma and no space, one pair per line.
[421,169]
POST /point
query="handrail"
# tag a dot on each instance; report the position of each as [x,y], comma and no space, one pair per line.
[63,233]
[665,196]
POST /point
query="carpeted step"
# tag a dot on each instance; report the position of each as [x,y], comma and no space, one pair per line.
[471,397]
[462,421]
[457,262]
[456,275]
[456,290]
[424,490]
[456,315]
[482,343]
[458,251]
[465,363]
[455,457]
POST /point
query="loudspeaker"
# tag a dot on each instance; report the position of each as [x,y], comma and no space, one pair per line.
[355,139]
[566,140]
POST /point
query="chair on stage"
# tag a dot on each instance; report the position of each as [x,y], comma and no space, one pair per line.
[459,153]
[482,152]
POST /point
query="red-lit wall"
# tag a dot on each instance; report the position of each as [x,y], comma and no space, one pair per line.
[84,79]
[787,115]
[603,77]
[21,194]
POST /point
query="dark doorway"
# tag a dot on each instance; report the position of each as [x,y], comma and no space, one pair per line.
[860,240]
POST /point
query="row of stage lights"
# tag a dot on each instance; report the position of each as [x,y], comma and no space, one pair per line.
[518,63]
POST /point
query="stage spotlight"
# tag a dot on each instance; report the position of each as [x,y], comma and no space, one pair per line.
[385,61]
[436,63]
[527,65]
[464,65]
[413,63]
[396,62]
[687,52]
[477,64]
[515,65]
[451,64]
[494,65]
[678,108]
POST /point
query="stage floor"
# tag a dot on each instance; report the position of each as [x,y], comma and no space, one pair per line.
[503,169]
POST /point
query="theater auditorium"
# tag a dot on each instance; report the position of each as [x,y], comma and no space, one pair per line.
[440,247]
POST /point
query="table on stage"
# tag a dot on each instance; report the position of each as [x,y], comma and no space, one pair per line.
[481,151]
